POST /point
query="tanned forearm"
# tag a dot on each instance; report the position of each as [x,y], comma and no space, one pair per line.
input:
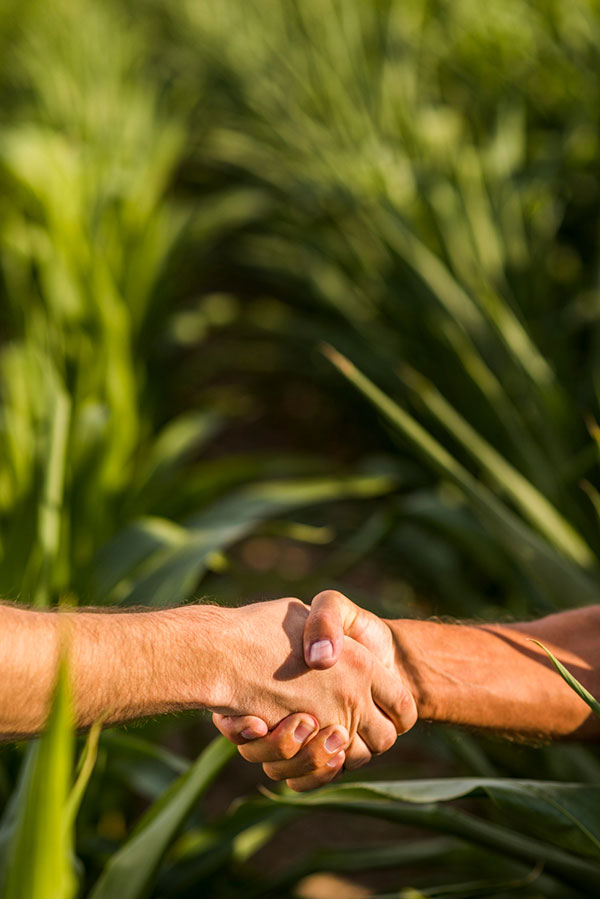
[492,676]
[130,665]
[121,665]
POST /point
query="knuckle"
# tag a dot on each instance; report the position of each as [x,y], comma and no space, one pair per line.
[405,711]
[321,618]
[224,726]
[385,741]
[272,771]
[357,758]
[315,756]
[408,721]
[329,596]
[285,750]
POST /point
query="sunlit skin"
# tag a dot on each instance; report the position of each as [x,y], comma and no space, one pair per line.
[303,694]
[233,661]
[486,676]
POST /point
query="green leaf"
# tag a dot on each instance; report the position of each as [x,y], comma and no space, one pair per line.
[49,513]
[172,447]
[171,572]
[347,859]
[131,871]
[130,547]
[39,859]
[533,504]
[572,681]
[555,822]
[139,750]
[235,836]
[85,769]
[468,890]
[557,573]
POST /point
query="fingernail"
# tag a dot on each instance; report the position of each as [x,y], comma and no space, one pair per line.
[334,741]
[334,762]
[320,651]
[249,734]
[303,731]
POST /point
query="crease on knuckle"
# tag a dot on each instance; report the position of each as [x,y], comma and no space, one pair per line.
[405,711]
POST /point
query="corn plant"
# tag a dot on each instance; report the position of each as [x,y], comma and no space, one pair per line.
[415,214]
[395,203]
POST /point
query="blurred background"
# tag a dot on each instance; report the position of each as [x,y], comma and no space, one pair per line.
[196,201]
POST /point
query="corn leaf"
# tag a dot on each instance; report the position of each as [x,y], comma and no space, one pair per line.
[572,681]
[170,574]
[38,860]
[551,567]
[533,504]
[130,872]
[556,823]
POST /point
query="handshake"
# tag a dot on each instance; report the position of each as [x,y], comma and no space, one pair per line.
[303,690]
[321,684]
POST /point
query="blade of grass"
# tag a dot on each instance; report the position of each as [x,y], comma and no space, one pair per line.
[571,681]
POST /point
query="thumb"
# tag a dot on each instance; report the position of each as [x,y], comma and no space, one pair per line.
[331,615]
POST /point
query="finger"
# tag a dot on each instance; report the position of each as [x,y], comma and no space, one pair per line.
[357,754]
[284,741]
[331,614]
[313,756]
[394,698]
[240,729]
[378,733]
[318,778]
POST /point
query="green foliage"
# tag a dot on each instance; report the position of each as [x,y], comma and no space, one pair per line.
[131,871]
[563,815]
[572,681]
[194,198]
[38,856]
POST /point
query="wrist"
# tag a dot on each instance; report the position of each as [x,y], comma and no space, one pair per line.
[408,642]
[204,647]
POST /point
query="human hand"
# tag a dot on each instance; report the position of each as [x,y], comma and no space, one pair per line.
[312,762]
[367,703]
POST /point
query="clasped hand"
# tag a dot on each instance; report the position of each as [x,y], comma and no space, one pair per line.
[318,691]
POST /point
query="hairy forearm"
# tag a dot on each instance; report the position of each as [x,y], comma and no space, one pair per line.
[493,677]
[121,665]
